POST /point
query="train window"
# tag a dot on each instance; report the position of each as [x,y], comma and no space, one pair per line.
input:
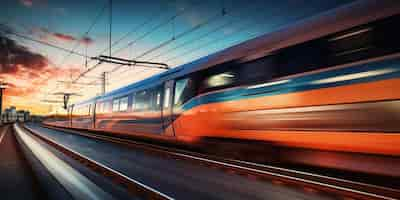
[142,100]
[156,99]
[219,81]
[361,42]
[133,102]
[184,90]
[167,94]
[115,105]
[107,107]
[259,70]
[123,104]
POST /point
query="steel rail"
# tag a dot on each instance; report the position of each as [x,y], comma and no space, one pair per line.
[133,186]
[344,187]
[79,186]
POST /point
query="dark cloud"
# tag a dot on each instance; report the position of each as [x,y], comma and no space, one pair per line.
[13,57]
[25,71]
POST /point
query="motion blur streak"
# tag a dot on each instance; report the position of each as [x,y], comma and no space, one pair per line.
[355,76]
[77,185]
[321,92]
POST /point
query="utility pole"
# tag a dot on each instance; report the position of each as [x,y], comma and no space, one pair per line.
[110,39]
[3,86]
[103,83]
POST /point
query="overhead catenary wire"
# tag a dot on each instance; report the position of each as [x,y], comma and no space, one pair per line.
[78,42]
[20,35]
[196,48]
[239,29]
[224,12]
[173,38]
[86,33]
[163,23]
[202,36]
[166,43]
[191,30]
[110,25]
[133,30]
[170,50]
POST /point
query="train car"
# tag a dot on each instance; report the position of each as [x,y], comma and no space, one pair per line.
[323,92]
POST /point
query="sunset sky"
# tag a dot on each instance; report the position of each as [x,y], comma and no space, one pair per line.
[35,71]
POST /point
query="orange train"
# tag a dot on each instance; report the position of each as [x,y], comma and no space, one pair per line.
[321,92]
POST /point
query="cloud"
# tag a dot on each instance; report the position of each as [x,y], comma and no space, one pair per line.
[45,34]
[64,37]
[24,71]
[26,3]
[14,57]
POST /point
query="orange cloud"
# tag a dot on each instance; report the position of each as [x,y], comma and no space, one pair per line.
[67,38]
[26,73]
[45,34]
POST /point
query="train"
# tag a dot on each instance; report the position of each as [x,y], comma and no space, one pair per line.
[322,92]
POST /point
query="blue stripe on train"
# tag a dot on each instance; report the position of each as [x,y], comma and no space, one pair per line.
[362,73]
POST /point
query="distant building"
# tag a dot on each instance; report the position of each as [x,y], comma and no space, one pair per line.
[9,115]
[12,115]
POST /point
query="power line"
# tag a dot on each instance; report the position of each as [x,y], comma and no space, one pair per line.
[94,22]
[170,50]
[110,23]
[138,39]
[223,13]
[198,26]
[85,72]
[163,23]
[170,40]
[245,26]
[165,43]
[47,44]
[133,30]
[78,42]
[242,28]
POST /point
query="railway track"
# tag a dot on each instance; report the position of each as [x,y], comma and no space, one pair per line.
[134,187]
[308,181]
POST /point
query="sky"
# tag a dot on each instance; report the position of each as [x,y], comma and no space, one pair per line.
[141,30]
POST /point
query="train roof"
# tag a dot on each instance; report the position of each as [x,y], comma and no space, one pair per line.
[331,21]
